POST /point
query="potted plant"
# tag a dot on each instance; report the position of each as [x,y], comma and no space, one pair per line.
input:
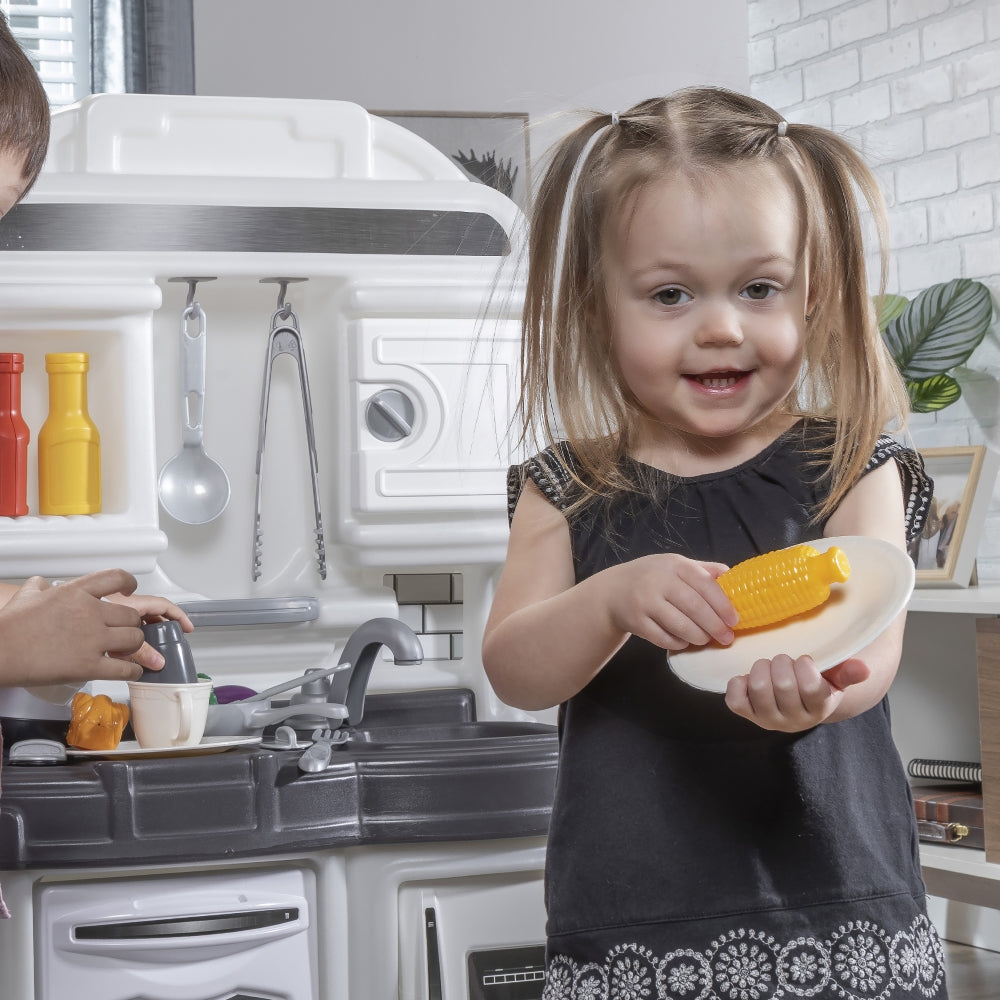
[933,334]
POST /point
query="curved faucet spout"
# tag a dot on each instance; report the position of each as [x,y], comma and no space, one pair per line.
[349,687]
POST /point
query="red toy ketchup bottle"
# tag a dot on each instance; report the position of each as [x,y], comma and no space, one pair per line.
[14,435]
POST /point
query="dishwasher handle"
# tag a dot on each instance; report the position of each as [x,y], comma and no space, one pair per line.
[168,937]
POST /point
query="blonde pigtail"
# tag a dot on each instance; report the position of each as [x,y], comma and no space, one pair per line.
[849,370]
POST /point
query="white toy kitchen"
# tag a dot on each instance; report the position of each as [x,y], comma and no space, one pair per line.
[316,297]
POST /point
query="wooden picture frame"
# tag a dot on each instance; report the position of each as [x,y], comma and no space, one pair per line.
[945,553]
[490,147]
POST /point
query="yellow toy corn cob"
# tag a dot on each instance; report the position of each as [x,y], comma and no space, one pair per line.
[778,585]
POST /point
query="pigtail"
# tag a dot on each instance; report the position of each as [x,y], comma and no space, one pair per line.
[849,372]
[564,345]
[540,334]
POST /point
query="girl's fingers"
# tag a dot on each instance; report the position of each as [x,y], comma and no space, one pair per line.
[814,689]
[760,690]
[785,682]
[783,694]
[738,696]
[717,598]
[843,675]
[659,635]
[674,623]
[698,616]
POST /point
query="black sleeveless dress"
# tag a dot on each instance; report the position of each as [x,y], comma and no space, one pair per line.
[691,854]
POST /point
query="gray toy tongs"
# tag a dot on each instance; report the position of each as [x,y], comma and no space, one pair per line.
[285,339]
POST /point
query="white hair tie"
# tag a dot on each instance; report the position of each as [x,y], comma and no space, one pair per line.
[782,128]
[568,196]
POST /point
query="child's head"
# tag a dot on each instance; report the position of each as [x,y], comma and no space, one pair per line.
[711,137]
[24,121]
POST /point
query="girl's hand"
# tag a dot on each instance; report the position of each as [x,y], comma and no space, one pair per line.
[152,609]
[790,696]
[671,601]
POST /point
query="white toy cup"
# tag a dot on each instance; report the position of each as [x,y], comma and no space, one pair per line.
[169,715]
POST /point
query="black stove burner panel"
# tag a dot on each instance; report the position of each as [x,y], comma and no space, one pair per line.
[507,973]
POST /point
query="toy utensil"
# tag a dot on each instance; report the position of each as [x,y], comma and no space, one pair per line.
[316,675]
[193,488]
[317,757]
[285,339]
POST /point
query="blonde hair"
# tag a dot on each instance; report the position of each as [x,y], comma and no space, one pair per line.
[570,385]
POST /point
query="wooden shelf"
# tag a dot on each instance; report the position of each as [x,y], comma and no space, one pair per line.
[960,873]
[959,861]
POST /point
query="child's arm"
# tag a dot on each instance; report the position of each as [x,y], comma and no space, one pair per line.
[547,636]
[52,635]
[792,695]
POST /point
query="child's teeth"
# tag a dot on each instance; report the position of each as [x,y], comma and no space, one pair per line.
[719,383]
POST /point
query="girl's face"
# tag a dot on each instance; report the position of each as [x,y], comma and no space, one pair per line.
[708,289]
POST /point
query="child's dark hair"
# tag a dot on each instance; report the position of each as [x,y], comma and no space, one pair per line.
[24,107]
[570,384]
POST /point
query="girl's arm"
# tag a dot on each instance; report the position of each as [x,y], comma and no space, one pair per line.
[547,636]
[791,695]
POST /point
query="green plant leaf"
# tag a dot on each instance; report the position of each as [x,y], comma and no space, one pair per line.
[934,393]
[889,307]
[940,328]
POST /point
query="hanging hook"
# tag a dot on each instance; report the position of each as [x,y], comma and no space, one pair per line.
[192,284]
[284,309]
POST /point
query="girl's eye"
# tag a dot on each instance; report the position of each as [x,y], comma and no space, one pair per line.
[671,296]
[759,290]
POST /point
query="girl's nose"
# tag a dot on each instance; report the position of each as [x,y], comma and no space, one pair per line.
[719,327]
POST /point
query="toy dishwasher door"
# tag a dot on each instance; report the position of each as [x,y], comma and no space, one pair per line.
[188,937]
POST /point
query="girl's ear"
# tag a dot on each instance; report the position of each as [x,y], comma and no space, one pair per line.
[812,296]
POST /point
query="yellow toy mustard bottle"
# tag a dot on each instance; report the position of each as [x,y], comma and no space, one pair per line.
[69,444]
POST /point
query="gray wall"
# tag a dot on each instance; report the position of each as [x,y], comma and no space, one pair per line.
[534,56]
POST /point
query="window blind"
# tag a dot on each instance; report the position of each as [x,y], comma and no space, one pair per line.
[56,35]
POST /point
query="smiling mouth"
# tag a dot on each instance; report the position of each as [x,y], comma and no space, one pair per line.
[718,380]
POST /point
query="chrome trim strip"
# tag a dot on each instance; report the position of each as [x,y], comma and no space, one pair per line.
[112,227]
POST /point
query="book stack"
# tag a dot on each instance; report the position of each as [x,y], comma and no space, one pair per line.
[950,811]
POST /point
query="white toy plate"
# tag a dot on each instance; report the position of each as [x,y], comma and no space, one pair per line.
[857,611]
[129,749]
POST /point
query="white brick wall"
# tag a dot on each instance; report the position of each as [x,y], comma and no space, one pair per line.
[916,85]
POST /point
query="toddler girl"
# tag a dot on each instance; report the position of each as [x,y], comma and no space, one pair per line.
[701,354]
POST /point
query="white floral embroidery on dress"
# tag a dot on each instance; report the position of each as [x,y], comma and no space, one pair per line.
[859,961]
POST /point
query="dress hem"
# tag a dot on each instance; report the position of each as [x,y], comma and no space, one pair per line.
[630,925]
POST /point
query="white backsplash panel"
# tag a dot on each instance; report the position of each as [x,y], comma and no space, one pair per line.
[397,256]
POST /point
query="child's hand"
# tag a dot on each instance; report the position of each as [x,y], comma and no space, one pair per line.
[152,609]
[671,601]
[789,695]
[67,634]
